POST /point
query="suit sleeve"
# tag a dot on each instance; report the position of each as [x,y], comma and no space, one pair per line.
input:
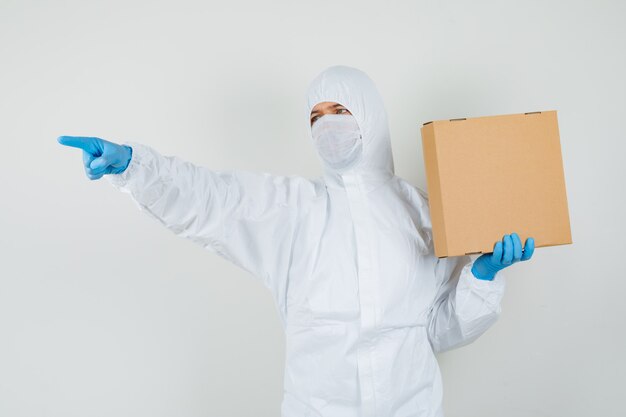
[465,306]
[248,218]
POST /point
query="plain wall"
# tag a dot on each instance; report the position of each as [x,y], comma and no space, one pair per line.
[104,312]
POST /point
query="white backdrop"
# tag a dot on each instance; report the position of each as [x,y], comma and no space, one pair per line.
[105,313]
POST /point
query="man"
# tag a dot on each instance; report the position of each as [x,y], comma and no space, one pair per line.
[348,256]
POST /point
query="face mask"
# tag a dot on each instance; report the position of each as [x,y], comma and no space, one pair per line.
[338,140]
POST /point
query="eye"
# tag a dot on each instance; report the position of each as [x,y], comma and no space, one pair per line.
[346,110]
[314,118]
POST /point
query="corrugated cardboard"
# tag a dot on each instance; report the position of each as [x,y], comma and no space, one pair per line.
[491,176]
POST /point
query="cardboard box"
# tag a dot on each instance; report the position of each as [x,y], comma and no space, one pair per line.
[490,176]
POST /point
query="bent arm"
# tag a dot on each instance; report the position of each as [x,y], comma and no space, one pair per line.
[465,306]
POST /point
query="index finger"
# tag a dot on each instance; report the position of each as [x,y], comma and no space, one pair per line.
[81,142]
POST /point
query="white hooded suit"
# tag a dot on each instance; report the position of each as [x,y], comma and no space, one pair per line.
[348,258]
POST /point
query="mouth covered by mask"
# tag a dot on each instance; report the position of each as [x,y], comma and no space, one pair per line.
[338,140]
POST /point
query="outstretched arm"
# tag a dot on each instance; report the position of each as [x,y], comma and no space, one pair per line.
[249,218]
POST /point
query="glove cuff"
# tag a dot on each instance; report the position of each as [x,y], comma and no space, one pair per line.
[135,161]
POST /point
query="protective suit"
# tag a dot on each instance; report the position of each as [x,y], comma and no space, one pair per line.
[348,258]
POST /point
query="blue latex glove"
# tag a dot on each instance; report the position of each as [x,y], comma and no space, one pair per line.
[505,253]
[100,157]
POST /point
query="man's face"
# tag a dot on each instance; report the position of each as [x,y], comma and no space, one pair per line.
[327,107]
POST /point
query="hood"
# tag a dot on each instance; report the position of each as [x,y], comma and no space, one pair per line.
[354,89]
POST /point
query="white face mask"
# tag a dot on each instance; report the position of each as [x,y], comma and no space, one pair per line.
[338,140]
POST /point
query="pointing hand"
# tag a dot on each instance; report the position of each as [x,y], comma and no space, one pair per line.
[100,157]
[505,253]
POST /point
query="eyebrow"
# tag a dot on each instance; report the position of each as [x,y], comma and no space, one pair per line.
[333,106]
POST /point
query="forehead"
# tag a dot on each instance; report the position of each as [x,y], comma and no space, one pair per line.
[325,105]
